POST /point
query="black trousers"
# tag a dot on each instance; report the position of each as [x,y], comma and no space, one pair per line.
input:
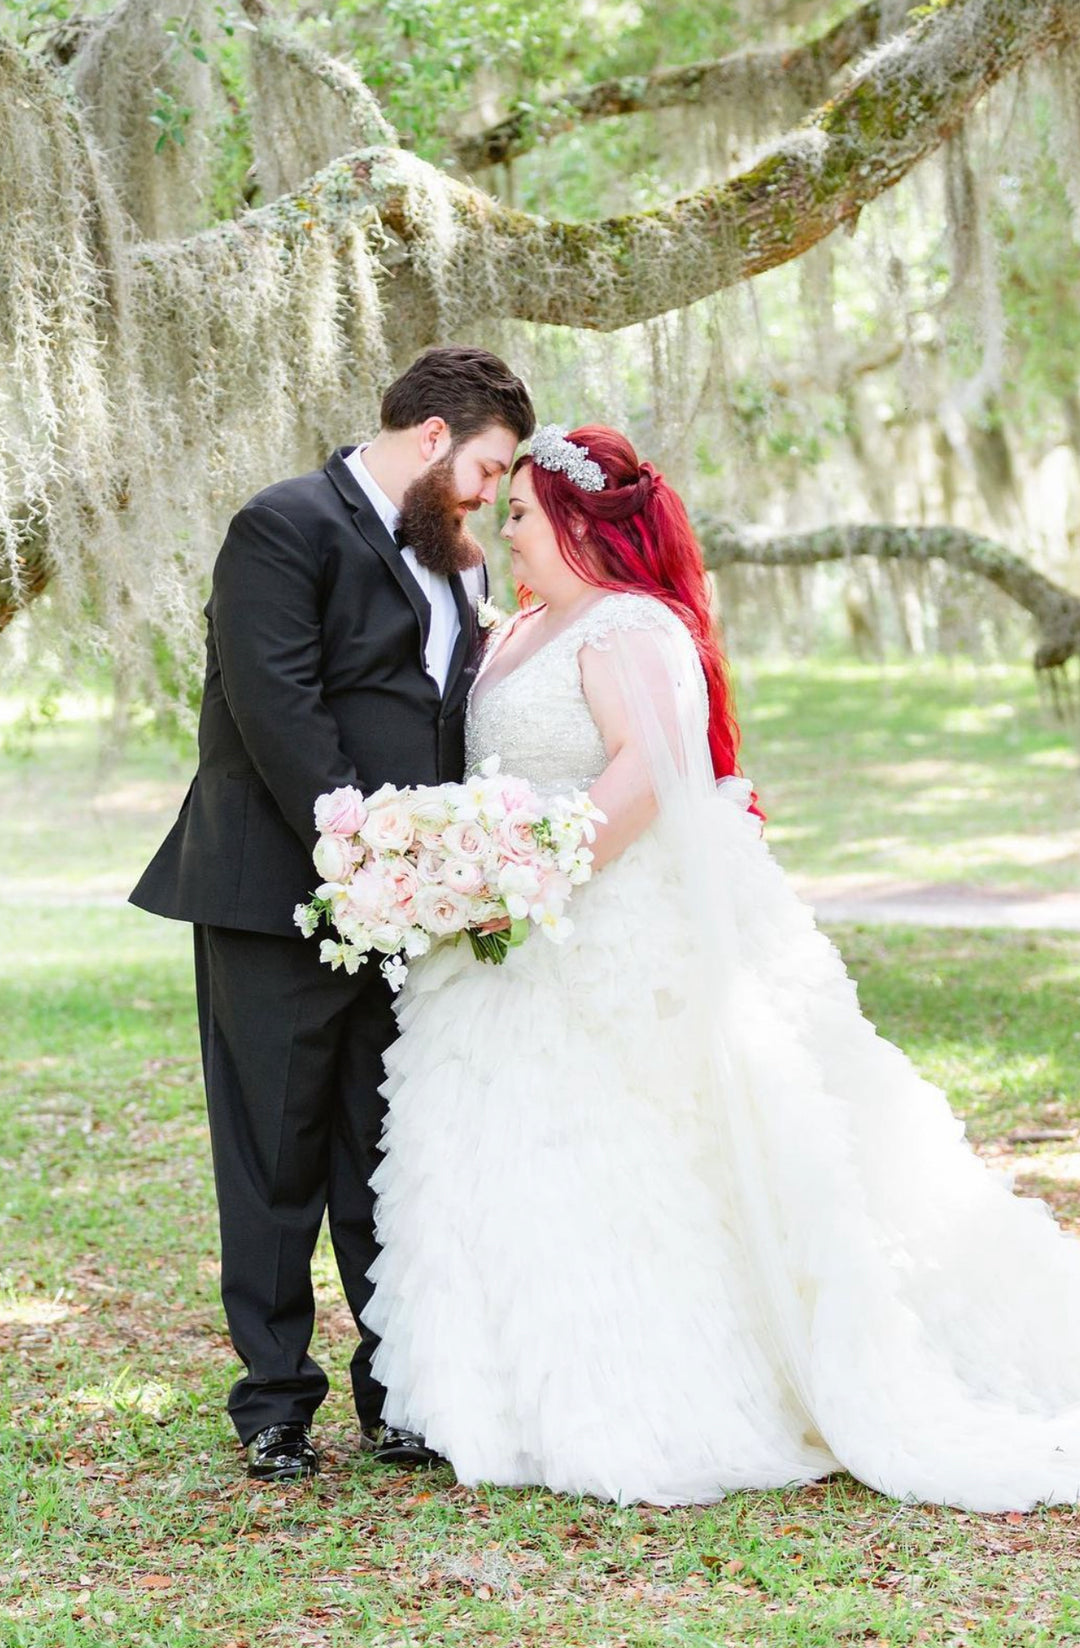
[292,1058]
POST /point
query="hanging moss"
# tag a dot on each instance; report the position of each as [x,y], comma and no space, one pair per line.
[152,101]
[307,110]
[162,381]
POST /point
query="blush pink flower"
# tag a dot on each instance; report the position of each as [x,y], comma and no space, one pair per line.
[463,875]
[466,841]
[441,911]
[341,812]
[388,827]
[367,896]
[403,884]
[515,835]
[429,867]
[515,793]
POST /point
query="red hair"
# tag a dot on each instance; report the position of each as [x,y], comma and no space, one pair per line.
[638,540]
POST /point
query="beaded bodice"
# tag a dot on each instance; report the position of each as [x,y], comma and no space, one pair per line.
[536,719]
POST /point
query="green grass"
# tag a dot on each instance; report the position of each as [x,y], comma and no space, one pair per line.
[126,1514]
[932,773]
[125,1518]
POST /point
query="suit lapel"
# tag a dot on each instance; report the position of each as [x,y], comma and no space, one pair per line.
[467,626]
[376,537]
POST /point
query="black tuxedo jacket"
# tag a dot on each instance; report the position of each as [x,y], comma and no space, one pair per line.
[315,678]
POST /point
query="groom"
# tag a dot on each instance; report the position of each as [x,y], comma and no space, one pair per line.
[341,643]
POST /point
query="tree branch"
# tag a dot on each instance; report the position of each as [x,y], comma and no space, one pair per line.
[1056,610]
[806,69]
[609,274]
[22,581]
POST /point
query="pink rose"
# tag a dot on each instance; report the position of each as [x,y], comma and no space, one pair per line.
[388,827]
[466,841]
[404,885]
[463,875]
[515,793]
[341,812]
[515,835]
[441,911]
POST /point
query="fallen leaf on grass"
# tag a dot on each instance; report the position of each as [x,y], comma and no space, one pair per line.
[716,1563]
[152,1582]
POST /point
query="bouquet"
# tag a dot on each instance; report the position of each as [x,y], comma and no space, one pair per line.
[402,868]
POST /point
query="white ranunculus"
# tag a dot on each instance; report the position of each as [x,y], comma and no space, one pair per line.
[332,858]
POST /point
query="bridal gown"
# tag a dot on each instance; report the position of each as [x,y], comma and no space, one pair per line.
[662,1216]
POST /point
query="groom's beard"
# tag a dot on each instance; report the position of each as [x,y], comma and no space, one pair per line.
[432,524]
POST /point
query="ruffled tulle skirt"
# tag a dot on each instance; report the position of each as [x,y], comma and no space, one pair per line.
[663,1217]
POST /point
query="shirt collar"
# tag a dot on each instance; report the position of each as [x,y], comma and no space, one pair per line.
[387,511]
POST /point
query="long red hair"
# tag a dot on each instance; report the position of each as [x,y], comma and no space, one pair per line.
[638,540]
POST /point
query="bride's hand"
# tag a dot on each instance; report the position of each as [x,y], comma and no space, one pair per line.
[501,925]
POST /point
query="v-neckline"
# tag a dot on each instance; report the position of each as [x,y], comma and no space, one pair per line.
[478,698]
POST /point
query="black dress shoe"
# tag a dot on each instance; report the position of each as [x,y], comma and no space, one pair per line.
[282,1453]
[390,1445]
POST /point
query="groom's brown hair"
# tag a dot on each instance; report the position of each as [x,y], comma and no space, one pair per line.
[469,388]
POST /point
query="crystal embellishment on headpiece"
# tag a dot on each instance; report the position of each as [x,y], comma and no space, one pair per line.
[550,448]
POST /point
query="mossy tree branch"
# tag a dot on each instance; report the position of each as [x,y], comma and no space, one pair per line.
[1056,610]
[806,69]
[611,273]
[381,232]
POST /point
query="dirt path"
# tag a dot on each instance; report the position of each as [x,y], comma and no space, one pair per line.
[939,905]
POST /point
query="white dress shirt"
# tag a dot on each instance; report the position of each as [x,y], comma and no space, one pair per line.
[445,624]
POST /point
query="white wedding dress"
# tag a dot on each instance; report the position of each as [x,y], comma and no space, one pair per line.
[661,1215]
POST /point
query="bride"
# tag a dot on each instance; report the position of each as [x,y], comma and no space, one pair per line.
[662,1216]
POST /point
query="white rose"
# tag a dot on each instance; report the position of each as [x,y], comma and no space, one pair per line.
[388,827]
[441,911]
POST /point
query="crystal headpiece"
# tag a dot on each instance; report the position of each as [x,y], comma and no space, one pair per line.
[550,448]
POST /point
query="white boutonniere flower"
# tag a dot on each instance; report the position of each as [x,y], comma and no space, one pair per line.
[488,615]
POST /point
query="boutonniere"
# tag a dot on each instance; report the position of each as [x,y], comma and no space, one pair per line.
[488,615]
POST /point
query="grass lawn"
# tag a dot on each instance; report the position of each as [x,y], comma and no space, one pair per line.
[932,773]
[127,1521]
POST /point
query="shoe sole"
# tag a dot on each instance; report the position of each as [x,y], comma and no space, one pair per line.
[287,1474]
